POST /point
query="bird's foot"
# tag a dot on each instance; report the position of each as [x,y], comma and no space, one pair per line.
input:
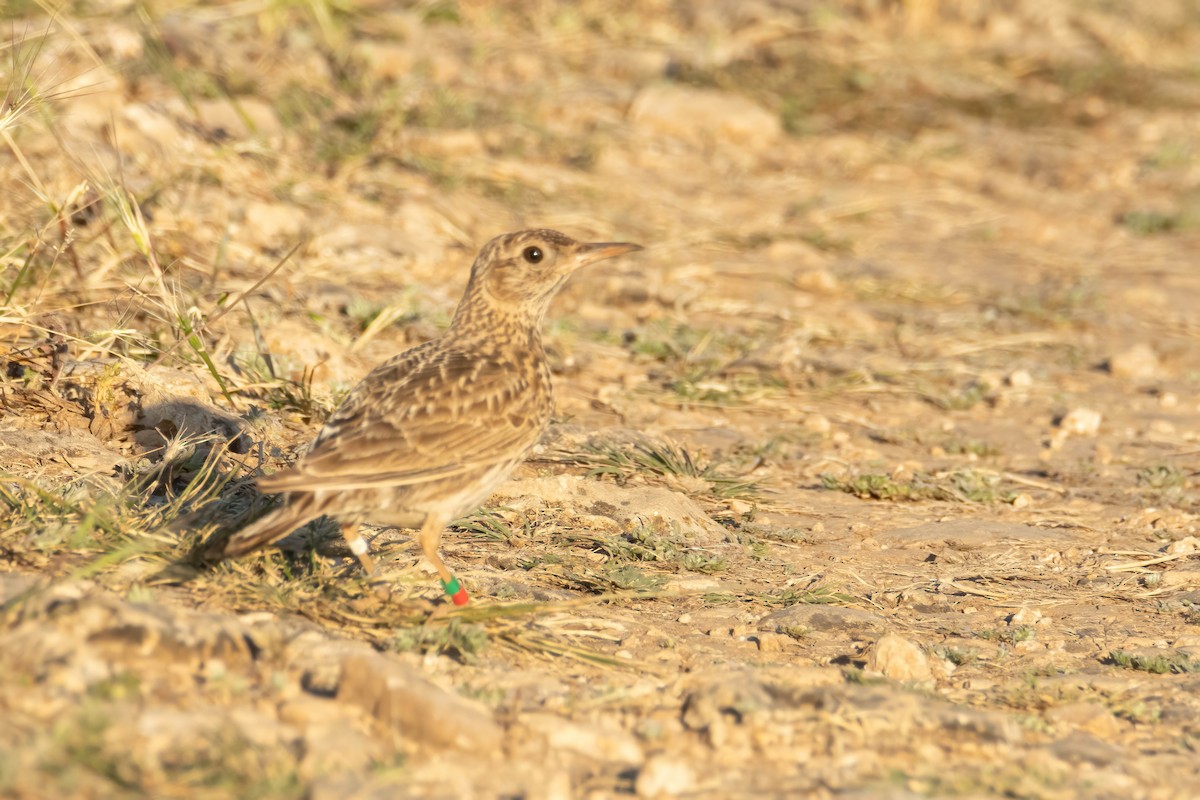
[456,591]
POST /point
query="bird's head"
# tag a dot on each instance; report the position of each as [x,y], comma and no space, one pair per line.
[519,273]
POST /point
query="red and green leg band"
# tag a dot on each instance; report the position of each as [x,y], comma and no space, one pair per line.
[456,591]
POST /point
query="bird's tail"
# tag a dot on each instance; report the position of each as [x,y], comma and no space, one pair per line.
[270,528]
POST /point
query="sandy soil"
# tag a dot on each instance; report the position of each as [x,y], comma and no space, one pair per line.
[874,476]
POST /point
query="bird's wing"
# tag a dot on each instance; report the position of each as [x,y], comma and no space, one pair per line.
[426,415]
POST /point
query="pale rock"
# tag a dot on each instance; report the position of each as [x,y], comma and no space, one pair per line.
[942,669]
[1180,574]
[15,583]
[169,404]
[124,43]
[1024,617]
[1188,544]
[985,726]
[175,735]
[130,635]
[596,741]
[804,257]
[336,747]
[1030,646]
[177,739]
[1189,651]
[665,776]
[1019,379]
[319,659]
[739,507]
[1089,717]
[772,642]
[737,695]
[555,785]
[703,115]
[1137,363]
[818,423]
[78,452]
[404,700]
[1080,747]
[899,659]
[1081,422]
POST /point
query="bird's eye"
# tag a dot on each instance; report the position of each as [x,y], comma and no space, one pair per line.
[533,254]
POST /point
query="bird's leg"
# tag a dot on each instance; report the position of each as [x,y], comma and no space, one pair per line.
[430,537]
[358,546]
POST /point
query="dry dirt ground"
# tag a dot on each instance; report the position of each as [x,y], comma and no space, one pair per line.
[874,476]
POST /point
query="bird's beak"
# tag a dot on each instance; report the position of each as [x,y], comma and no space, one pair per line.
[588,253]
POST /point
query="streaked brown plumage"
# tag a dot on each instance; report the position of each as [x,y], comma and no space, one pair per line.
[429,433]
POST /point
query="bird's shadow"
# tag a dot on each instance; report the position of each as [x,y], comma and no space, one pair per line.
[206,479]
[205,554]
[199,466]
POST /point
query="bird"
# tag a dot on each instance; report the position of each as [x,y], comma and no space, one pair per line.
[429,433]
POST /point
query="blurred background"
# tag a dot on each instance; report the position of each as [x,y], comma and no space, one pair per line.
[163,157]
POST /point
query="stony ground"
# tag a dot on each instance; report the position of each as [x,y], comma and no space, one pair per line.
[873,476]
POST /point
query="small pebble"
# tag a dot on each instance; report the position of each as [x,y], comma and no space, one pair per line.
[1019,379]
[899,659]
[1138,363]
[664,776]
[1025,616]
[1081,422]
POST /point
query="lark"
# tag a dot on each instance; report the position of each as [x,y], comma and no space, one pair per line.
[429,433]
